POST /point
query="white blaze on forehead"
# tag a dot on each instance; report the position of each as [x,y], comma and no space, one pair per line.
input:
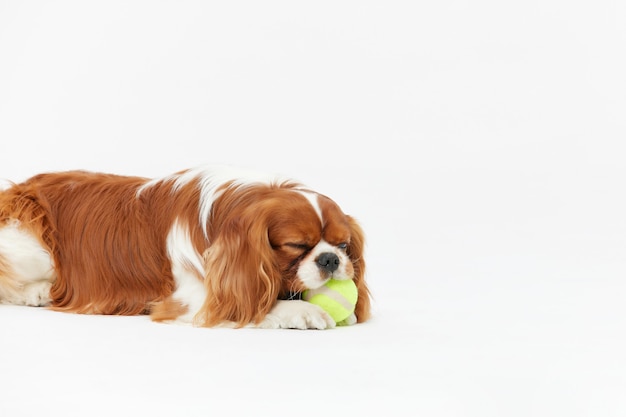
[312,197]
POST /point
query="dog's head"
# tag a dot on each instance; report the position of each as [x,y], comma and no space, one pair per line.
[270,241]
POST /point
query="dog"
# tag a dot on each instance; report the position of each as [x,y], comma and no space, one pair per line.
[211,246]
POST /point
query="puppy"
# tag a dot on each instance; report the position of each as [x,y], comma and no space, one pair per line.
[210,246]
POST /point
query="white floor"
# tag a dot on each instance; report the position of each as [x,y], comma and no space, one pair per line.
[448,349]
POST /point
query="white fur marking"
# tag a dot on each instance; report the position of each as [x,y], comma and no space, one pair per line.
[31,270]
[309,271]
[211,179]
[187,270]
[297,314]
[313,199]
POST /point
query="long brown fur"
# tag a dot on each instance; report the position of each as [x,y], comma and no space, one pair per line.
[108,244]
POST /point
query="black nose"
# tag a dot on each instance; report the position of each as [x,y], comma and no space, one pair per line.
[328,261]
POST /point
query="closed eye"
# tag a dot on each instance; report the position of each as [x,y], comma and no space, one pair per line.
[343,246]
[299,246]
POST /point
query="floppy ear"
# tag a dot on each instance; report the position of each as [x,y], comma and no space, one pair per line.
[355,252]
[242,279]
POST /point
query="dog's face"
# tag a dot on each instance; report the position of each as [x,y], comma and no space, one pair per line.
[311,238]
[270,242]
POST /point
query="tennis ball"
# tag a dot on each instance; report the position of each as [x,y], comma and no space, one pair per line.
[337,298]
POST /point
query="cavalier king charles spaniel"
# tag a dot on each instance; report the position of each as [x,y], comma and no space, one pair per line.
[211,246]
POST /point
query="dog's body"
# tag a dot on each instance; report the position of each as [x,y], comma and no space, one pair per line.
[207,246]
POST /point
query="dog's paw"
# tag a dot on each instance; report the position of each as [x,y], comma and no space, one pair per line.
[349,321]
[36,294]
[297,314]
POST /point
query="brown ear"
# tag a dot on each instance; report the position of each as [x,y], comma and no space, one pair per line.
[355,252]
[241,279]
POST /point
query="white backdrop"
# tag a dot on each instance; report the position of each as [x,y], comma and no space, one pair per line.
[481,145]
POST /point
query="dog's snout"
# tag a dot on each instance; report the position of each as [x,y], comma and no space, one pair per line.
[328,261]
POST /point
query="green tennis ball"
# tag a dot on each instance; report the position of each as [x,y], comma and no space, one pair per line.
[337,298]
